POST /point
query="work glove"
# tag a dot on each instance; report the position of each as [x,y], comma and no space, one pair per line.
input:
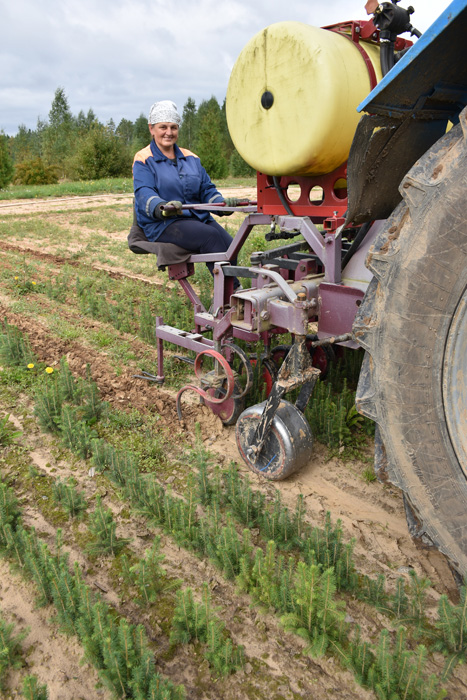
[229,202]
[172,208]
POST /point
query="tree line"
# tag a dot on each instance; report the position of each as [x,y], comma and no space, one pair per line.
[82,148]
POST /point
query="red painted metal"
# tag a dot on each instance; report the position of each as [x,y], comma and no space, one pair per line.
[332,202]
[369,66]
[360,30]
[229,377]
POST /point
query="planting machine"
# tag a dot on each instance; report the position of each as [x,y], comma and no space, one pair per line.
[336,189]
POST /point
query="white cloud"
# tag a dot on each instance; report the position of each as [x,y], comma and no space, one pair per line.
[119,56]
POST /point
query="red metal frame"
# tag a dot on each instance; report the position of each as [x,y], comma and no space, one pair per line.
[333,202]
[365,31]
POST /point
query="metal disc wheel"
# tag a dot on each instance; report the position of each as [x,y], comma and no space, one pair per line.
[413,325]
[288,444]
[230,409]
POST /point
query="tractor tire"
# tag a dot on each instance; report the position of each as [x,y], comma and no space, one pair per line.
[413,326]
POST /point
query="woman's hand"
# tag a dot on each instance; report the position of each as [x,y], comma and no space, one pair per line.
[172,208]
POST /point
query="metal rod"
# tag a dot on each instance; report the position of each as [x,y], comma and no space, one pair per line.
[212,206]
[331,340]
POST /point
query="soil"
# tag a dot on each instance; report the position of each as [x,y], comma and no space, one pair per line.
[371,513]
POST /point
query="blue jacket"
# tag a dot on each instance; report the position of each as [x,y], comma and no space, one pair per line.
[158,179]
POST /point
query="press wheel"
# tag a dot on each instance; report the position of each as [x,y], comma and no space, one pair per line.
[288,443]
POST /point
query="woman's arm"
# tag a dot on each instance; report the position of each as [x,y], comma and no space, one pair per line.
[146,195]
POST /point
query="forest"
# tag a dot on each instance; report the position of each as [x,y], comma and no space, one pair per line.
[74,148]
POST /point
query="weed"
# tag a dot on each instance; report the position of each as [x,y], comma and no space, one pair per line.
[7,432]
[369,475]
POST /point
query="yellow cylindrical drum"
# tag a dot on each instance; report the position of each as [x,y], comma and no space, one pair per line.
[292,98]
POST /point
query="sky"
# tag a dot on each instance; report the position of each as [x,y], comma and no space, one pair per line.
[117,57]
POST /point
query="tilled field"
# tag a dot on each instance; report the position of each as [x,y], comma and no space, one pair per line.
[61,246]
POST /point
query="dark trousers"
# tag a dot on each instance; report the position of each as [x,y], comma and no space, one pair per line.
[198,237]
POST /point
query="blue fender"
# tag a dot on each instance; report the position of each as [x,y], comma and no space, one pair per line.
[406,113]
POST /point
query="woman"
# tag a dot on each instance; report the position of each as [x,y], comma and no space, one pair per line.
[164,174]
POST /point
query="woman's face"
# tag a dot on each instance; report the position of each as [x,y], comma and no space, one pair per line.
[165,135]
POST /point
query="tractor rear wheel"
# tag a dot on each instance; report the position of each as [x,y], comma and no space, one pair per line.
[413,325]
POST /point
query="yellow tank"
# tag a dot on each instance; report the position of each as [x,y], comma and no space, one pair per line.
[292,98]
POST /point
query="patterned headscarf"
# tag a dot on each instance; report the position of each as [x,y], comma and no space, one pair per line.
[164,111]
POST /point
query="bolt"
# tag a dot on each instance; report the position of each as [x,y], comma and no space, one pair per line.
[264,315]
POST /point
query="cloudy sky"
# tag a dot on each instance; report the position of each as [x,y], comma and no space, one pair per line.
[119,56]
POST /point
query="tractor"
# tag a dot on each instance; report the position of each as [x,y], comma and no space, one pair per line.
[369,212]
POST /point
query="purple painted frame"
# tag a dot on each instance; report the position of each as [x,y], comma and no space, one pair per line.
[255,314]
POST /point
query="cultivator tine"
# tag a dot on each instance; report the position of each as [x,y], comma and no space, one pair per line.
[150,377]
[184,358]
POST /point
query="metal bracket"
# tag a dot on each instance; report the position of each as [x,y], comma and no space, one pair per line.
[296,370]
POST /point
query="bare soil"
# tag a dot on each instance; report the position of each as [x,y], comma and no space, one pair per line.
[371,513]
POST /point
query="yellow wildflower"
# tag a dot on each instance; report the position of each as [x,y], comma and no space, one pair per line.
[49,370]
[31,365]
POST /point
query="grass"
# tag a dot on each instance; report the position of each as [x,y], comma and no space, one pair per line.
[122,185]
[71,189]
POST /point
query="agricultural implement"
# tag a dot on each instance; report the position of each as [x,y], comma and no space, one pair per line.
[335,190]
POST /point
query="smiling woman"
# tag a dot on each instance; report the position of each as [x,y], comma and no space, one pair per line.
[166,177]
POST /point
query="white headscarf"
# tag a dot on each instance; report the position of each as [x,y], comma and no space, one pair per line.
[164,111]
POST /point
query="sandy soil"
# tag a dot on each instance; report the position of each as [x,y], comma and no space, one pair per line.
[371,513]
